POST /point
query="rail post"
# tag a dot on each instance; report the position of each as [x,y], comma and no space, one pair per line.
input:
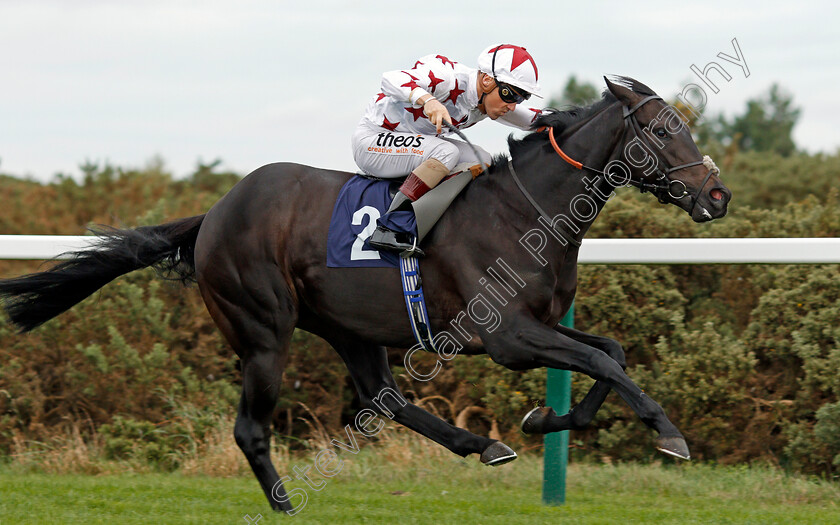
[558,396]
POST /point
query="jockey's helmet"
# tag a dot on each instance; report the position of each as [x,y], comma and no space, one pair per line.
[509,64]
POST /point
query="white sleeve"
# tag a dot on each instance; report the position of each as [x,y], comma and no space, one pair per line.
[523,117]
[429,76]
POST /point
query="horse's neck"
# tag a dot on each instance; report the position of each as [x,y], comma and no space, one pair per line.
[570,196]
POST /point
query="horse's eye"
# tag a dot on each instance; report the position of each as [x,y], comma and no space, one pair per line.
[661,133]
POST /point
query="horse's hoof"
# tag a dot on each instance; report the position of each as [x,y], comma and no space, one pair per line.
[673,446]
[534,420]
[497,454]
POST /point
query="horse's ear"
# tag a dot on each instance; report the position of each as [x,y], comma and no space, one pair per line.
[627,96]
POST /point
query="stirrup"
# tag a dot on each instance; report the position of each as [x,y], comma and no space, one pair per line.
[386,239]
[414,251]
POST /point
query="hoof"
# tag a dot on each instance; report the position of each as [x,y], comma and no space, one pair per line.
[534,420]
[673,446]
[497,454]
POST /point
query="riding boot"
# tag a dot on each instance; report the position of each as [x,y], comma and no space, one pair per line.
[389,234]
[395,229]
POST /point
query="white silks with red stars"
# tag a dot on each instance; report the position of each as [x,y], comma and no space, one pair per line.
[452,83]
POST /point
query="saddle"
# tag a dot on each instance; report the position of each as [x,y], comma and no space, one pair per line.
[366,196]
[474,169]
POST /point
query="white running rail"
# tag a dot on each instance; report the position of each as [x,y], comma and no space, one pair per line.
[593,251]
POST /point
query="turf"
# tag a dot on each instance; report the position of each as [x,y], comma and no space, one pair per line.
[458,492]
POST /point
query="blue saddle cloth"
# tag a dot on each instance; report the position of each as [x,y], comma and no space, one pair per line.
[360,204]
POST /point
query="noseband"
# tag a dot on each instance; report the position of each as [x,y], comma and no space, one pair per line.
[662,186]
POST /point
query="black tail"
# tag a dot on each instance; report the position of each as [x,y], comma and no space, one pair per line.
[34,299]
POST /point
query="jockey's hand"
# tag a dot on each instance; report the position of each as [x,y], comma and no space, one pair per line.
[436,112]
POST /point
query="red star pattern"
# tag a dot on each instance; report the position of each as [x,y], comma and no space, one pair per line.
[455,93]
[390,126]
[416,112]
[380,96]
[413,83]
[445,61]
[433,81]
[457,123]
[520,55]
[418,63]
[537,113]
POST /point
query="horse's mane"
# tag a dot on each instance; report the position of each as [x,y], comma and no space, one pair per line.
[560,120]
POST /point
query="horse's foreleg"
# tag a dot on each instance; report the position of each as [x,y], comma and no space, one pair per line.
[544,420]
[368,366]
[527,344]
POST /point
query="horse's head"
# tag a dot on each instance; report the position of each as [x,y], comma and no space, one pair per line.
[662,157]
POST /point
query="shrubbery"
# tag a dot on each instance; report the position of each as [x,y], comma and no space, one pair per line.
[743,358]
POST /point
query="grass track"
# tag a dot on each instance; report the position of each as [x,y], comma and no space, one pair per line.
[456,491]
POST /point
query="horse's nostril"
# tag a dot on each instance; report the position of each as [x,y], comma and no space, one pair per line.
[716,194]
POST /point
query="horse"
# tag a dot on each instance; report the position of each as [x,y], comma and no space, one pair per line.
[258,256]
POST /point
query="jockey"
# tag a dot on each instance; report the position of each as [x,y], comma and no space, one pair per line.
[402,130]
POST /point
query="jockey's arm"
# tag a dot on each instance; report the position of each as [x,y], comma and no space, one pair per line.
[419,85]
[523,117]
[428,77]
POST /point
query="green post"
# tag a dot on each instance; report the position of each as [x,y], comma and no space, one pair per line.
[558,396]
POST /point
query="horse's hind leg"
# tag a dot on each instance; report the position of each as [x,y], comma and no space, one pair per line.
[368,366]
[262,343]
[261,376]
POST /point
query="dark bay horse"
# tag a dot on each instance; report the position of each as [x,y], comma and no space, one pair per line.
[259,257]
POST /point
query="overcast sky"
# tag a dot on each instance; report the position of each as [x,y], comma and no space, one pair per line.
[254,82]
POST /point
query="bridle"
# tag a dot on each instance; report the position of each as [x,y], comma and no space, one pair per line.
[662,185]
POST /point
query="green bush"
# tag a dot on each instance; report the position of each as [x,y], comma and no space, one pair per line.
[743,358]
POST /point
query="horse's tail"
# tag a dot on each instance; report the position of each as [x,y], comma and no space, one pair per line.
[34,299]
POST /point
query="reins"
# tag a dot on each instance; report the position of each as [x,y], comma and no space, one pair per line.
[563,233]
[559,151]
[566,235]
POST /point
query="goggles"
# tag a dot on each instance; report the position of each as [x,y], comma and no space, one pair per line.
[509,94]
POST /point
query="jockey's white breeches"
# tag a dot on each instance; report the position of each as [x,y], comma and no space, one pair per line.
[391,154]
